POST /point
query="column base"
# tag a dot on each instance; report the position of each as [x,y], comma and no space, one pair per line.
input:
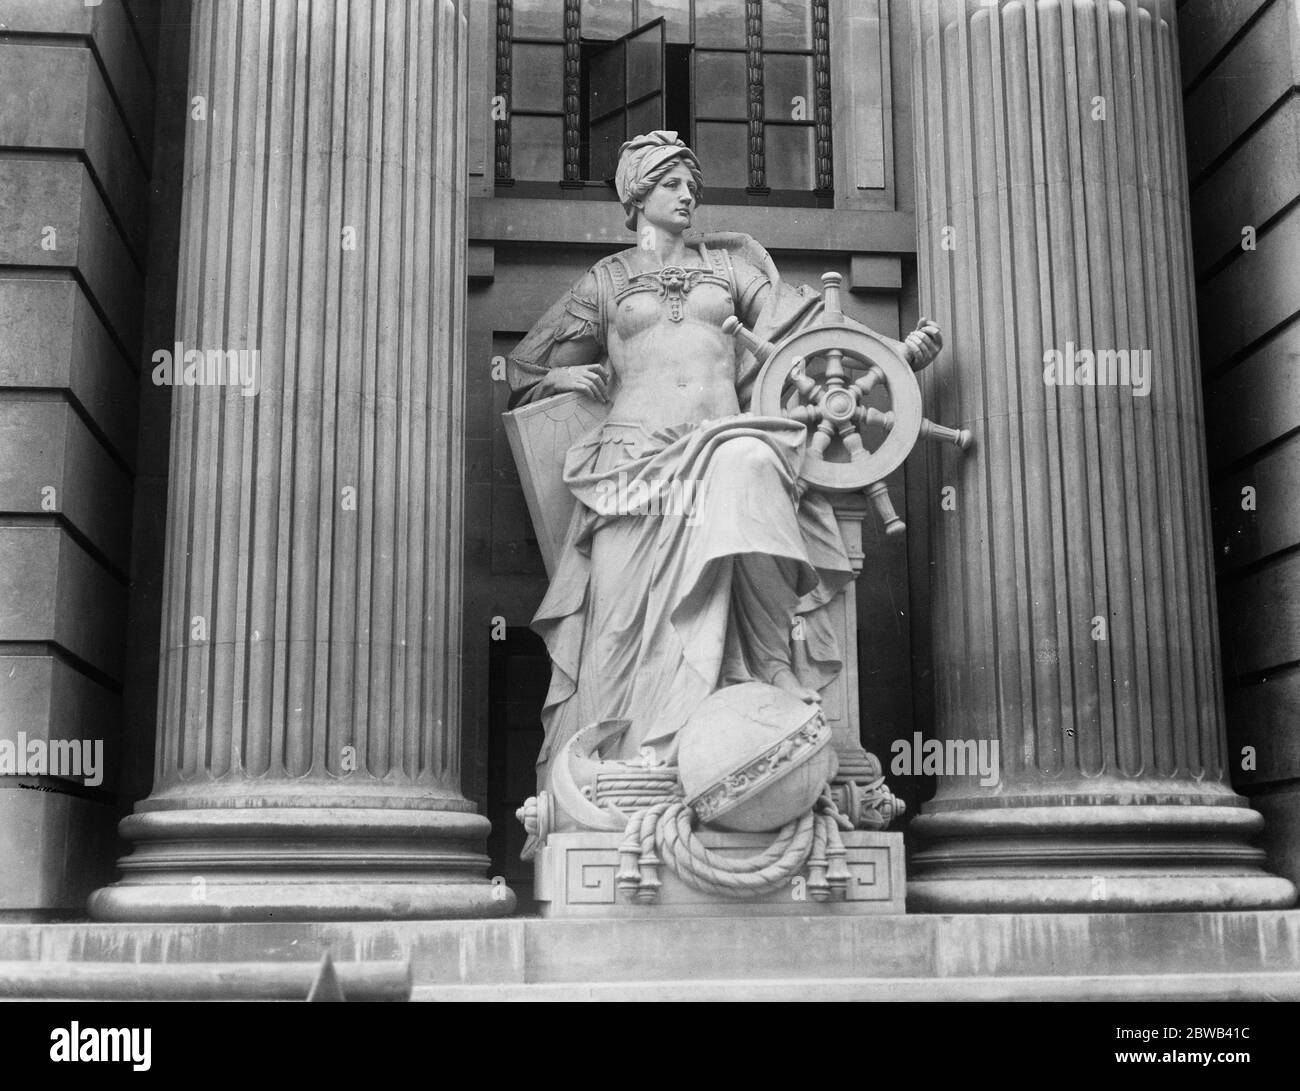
[1095,859]
[302,864]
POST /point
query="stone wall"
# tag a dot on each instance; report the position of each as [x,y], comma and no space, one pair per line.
[77,86]
[1240,71]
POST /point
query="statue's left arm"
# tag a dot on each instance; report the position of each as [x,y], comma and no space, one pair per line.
[753,289]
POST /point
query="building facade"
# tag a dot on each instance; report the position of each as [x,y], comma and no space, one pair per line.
[293,606]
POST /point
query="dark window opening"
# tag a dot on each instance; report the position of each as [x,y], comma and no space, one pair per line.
[747,80]
[519,673]
[635,84]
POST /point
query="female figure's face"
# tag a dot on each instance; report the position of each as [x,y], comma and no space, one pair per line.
[670,205]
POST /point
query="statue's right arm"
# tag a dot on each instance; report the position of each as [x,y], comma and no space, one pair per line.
[574,367]
[574,343]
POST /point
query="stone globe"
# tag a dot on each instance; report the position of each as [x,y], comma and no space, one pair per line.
[753,757]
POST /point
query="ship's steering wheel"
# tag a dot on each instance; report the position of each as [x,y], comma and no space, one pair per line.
[823,376]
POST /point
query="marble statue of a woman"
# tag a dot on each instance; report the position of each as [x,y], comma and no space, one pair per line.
[722,576]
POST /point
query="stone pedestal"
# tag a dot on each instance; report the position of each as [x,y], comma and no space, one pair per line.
[840,702]
[308,756]
[1074,619]
[858,773]
[576,876]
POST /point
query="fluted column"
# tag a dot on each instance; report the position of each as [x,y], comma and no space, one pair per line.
[1074,618]
[308,757]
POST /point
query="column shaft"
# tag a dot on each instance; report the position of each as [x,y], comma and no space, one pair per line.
[308,758]
[1074,621]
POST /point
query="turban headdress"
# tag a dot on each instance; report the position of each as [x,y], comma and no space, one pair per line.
[641,156]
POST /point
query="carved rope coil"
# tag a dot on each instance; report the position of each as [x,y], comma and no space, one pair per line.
[635,790]
[628,802]
[665,834]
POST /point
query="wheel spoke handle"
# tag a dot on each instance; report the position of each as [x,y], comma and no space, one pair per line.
[833,314]
[851,440]
[938,433]
[894,526]
[875,416]
[867,382]
[822,438]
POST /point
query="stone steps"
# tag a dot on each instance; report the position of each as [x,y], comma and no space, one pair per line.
[1187,956]
[1127,987]
[268,980]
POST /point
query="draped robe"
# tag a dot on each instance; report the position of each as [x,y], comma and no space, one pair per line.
[694,558]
